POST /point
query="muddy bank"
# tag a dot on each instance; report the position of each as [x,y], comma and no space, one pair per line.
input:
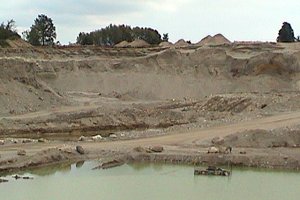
[281,158]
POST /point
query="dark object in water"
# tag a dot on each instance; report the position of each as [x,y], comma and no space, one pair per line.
[110,164]
[3,180]
[212,170]
[22,177]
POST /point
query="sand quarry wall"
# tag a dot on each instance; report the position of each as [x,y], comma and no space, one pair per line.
[32,82]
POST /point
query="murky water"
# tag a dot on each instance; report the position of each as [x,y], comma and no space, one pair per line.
[138,181]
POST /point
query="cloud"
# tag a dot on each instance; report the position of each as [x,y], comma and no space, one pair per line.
[188,19]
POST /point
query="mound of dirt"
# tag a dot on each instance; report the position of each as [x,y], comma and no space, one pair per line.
[165,44]
[218,39]
[204,41]
[138,44]
[122,44]
[181,43]
[264,139]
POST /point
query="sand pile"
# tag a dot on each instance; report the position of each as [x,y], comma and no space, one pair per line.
[138,44]
[205,40]
[218,39]
[122,44]
[165,44]
[181,43]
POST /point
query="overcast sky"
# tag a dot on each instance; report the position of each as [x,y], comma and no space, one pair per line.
[257,20]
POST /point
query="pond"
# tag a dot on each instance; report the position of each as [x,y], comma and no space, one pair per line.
[149,181]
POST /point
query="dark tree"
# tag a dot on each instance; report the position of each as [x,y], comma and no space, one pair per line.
[113,34]
[165,37]
[7,31]
[286,33]
[42,32]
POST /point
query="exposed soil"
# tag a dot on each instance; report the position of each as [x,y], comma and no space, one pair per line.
[135,98]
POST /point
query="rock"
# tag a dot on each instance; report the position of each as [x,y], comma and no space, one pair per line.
[243,152]
[80,149]
[97,137]
[21,152]
[110,164]
[2,142]
[157,149]
[82,138]
[42,140]
[113,136]
[217,141]
[213,150]
[27,141]
[14,141]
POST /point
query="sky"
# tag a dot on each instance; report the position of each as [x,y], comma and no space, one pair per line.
[238,20]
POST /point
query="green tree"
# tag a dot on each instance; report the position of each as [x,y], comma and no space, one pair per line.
[8,31]
[113,34]
[42,32]
[165,37]
[286,33]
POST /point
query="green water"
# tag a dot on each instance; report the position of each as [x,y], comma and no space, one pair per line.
[142,182]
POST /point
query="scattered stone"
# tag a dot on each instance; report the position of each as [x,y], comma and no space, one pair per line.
[157,149]
[22,177]
[14,141]
[213,150]
[97,137]
[27,141]
[80,149]
[21,152]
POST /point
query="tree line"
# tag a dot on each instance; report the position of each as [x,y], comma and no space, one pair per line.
[113,34]
[43,33]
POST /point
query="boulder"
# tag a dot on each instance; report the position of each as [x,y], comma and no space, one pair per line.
[213,150]
[21,152]
[157,149]
[97,137]
[80,149]
[2,142]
